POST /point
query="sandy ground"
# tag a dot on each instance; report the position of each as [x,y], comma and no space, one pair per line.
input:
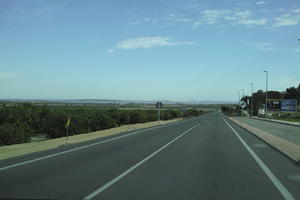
[26,148]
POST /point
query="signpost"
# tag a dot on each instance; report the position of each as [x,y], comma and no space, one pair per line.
[68,121]
[158,106]
[243,104]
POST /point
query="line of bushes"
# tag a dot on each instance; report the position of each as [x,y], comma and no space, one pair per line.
[231,111]
[19,123]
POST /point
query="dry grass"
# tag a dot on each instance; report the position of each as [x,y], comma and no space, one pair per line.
[26,148]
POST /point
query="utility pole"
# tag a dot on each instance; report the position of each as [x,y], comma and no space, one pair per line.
[251,99]
[266,107]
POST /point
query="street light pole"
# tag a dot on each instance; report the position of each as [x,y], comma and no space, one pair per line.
[266,107]
[251,99]
[242,98]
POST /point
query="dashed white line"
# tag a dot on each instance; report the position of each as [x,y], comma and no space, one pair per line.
[116,179]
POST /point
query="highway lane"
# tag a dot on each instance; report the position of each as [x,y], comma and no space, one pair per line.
[200,158]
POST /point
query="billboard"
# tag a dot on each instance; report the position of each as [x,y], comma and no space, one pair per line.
[289,105]
[274,104]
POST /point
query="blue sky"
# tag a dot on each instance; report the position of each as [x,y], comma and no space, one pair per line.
[147,50]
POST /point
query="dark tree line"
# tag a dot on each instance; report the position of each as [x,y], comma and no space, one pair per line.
[259,100]
[231,111]
[259,97]
[19,123]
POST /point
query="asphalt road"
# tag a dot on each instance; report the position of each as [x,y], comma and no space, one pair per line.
[202,158]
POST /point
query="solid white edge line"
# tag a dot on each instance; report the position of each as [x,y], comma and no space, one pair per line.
[280,187]
[116,179]
[89,145]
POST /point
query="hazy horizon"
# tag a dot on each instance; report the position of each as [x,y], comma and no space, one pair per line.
[121,100]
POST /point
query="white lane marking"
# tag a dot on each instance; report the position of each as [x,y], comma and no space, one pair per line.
[116,179]
[284,192]
[86,146]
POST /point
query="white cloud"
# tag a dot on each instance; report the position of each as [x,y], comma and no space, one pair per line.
[264,46]
[182,20]
[134,23]
[286,20]
[211,16]
[111,51]
[93,40]
[197,24]
[260,2]
[242,14]
[249,18]
[148,42]
[296,10]
[7,75]
[258,22]
[236,16]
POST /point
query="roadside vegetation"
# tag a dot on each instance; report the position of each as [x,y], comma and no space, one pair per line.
[20,122]
[231,110]
[259,99]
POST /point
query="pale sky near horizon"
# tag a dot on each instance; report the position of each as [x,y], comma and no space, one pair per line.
[147,50]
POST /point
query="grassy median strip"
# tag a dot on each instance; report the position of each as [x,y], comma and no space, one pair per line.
[26,148]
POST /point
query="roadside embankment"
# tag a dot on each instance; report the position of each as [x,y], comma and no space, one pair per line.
[26,148]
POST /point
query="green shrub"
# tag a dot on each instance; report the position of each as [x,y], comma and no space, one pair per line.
[18,123]
[14,134]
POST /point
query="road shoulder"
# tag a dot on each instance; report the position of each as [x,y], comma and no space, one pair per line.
[287,148]
[11,151]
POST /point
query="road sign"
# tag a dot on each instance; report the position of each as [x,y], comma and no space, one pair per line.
[158,104]
[289,105]
[243,104]
[68,122]
[274,104]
